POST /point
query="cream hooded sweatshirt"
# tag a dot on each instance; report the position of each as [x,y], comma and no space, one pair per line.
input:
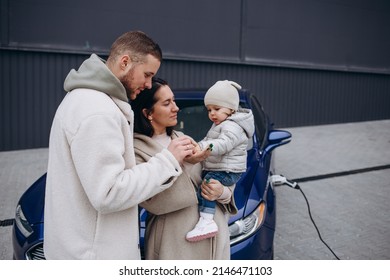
[93,185]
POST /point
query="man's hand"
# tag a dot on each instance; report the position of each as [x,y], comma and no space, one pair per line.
[181,148]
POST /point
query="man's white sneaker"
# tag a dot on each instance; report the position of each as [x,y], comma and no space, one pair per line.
[202,230]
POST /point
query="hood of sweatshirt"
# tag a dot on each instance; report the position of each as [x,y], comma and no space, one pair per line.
[94,74]
[244,118]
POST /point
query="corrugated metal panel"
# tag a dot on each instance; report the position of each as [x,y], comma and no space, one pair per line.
[328,35]
[31,89]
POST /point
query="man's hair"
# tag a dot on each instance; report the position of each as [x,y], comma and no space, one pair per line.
[137,45]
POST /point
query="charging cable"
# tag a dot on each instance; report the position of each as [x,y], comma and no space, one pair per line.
[6,223]
[278,180]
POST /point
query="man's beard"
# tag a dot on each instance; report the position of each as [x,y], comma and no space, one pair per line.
[125,80]
[128,93]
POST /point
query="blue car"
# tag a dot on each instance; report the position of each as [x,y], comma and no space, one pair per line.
[252,229]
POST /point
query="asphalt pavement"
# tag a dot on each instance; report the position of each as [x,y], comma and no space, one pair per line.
[342,169]
[349,204]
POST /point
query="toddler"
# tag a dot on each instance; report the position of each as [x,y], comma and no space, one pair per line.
[228,140]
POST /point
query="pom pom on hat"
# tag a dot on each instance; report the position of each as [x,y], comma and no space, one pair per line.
[224,94]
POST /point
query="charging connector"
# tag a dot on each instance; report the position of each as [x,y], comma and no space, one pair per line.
[278,180]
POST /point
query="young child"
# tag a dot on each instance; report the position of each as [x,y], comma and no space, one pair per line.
[227,139]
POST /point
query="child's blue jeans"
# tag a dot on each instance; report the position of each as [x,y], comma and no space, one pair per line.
[225,178]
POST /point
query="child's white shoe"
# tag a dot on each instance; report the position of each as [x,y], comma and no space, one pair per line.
[205,228]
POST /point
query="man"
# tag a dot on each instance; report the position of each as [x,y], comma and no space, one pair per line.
[93,185]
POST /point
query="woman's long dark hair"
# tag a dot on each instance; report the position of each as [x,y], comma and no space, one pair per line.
[146,100]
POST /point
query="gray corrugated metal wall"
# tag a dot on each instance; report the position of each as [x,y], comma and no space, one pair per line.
[296,97]
[310,62]
[31,89]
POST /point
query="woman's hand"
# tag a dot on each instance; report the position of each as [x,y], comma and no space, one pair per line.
[197,154]
[211,190]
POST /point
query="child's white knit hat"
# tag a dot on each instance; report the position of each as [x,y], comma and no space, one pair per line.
[224,94]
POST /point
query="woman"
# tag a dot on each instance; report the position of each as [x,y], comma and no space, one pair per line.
[173,212]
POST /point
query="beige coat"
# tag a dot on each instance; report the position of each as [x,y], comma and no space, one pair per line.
[174,212]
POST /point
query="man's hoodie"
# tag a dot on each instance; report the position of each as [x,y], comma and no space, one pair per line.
[94,74]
